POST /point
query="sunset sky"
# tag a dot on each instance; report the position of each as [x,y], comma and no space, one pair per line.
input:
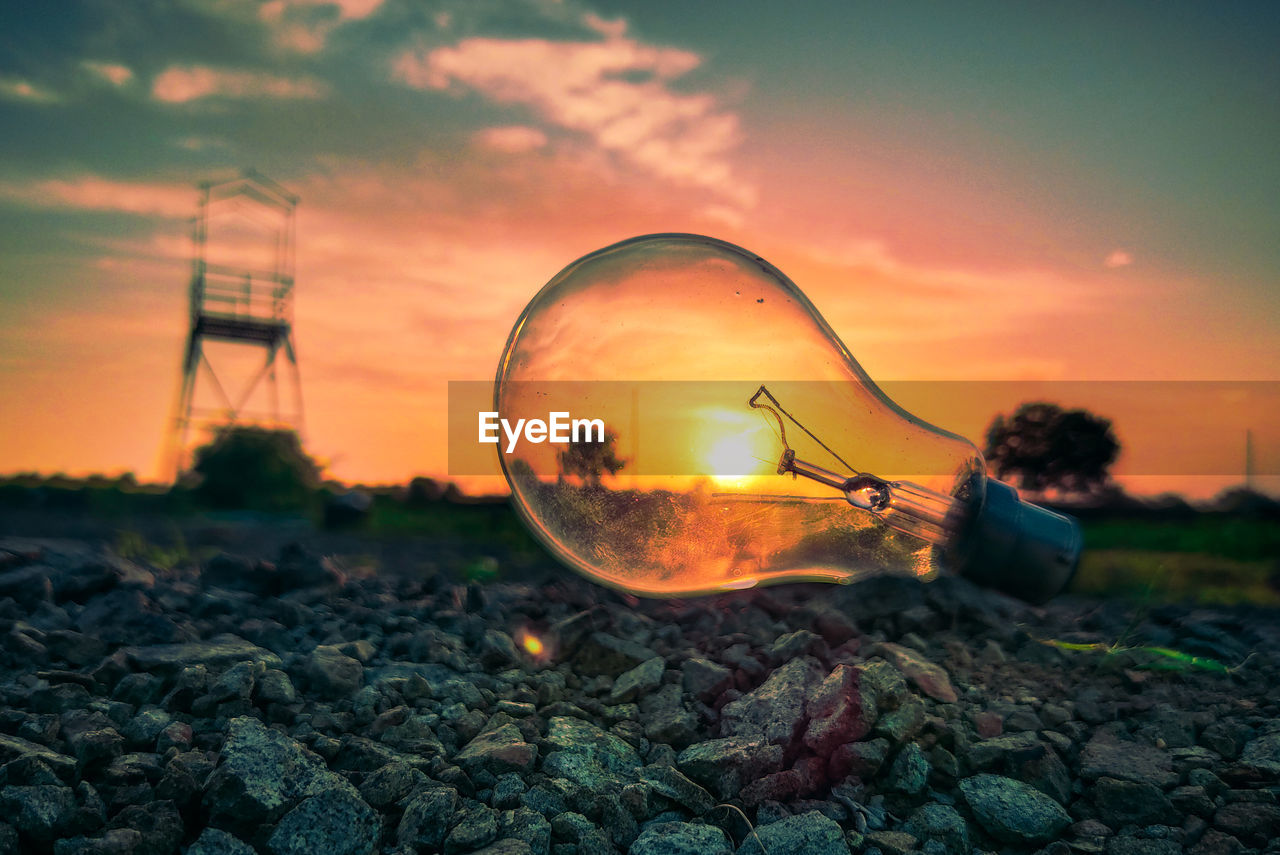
[1084,191]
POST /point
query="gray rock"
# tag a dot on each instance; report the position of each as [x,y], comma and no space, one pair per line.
[213,841]
[704,679]
[336,822]
[681,838]
[903,723]
[1139,846]
[1263,754]
[724,766]
[776,708]
[263,773]
[332,673]
[42,812]
[1107,756]
[672,784]
[910,771]
[637,682]
[158,822]
[16,748]
[426,818]
[216,654]
[527,825]
[941,823]
[841,711]
[115,841]
[601,653]
[143,728]
[502,749]
[863,759]
[390,783]
[589,756]
[928,677]
[508,846]
[236,683]
[998,751]
[808,833]
[1013,811]
[275,687]
[891,842]
[1121,803]
[1255,823]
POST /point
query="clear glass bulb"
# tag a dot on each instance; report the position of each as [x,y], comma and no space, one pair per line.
[744,445]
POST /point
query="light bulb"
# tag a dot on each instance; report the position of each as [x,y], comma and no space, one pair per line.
[743,444]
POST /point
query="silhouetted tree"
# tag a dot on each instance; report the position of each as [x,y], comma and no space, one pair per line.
[589,460]
[254,468]
[1044,447]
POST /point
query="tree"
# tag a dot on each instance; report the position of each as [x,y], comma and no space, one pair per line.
[1045,447]
[254,468]
[589,460]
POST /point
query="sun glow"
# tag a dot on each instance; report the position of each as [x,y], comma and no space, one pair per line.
[738,448]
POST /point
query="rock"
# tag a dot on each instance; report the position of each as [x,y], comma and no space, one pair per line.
[426,818]
[236,683]
[840,711]
[1107,756]
[1192,800]
[1013,811]
[1122,803]
[126,616]
[390,783]
[863,759]
[509,846]
[775,709]
[903,723]
[704,679]
[910,771]
[672,784]
[527,825]
[239,574]
[332,673]
[999,752]
[42,812]
[143,728]
[158,822]
[808,833]
[336,822]
[892,842]
[639,681]
[584,753]
[275,687]
[724,766]
[665,718]
[941,823]
[601,653]
[1214,842]
[297,568]
[928,678]
[219,653]
[213,841]
[262,774]
[1263,754]
[681,838]
[1254,823]
[16,748]
[502,749]
[115,841]
[1127,845]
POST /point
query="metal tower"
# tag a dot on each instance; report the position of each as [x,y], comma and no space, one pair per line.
[242,296]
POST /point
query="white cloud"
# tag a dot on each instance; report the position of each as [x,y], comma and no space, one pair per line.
[93,193]
[511,139]
[110,72]
[617,92]
[182,84]
[19,89]
[1118,258]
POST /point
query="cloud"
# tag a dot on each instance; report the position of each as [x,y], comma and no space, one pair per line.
[1118,258]
[94,193]
[618,92]
[305,25]
[19,89]
[182,84]
[110,72]
[512,139]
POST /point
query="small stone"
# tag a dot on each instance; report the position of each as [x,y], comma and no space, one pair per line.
[1122,803]
[478,826]
[332,673]
[681,838]
[1263,754]
[143,728]
[588,755]
[928,677]
[705,679]
[903,723]
[1127,845]
[213,841]
[159,823]
[527,825]
[941,823]
[1214,842]
[910,771]
[274,687]
[892,842]
[862,759]
[389,784]
[671,783]
[840,711]
[217,653]
[42,812]
[114,841]
[808,833]
[601,653]
[1013,811]
[236,683]
[1192,800]
[502,749]
[426,818]
[776,708]
[724,766]
[336,822]
[1254,823]
[639,681]
[1107,756]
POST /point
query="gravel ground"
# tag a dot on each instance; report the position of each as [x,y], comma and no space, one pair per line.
[289,704]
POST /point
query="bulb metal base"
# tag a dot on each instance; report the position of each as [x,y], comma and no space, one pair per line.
[1020,548]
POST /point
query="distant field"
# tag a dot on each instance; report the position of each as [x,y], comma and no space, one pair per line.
[1208,559]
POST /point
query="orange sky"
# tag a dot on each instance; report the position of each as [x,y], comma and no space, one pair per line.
[959,205]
